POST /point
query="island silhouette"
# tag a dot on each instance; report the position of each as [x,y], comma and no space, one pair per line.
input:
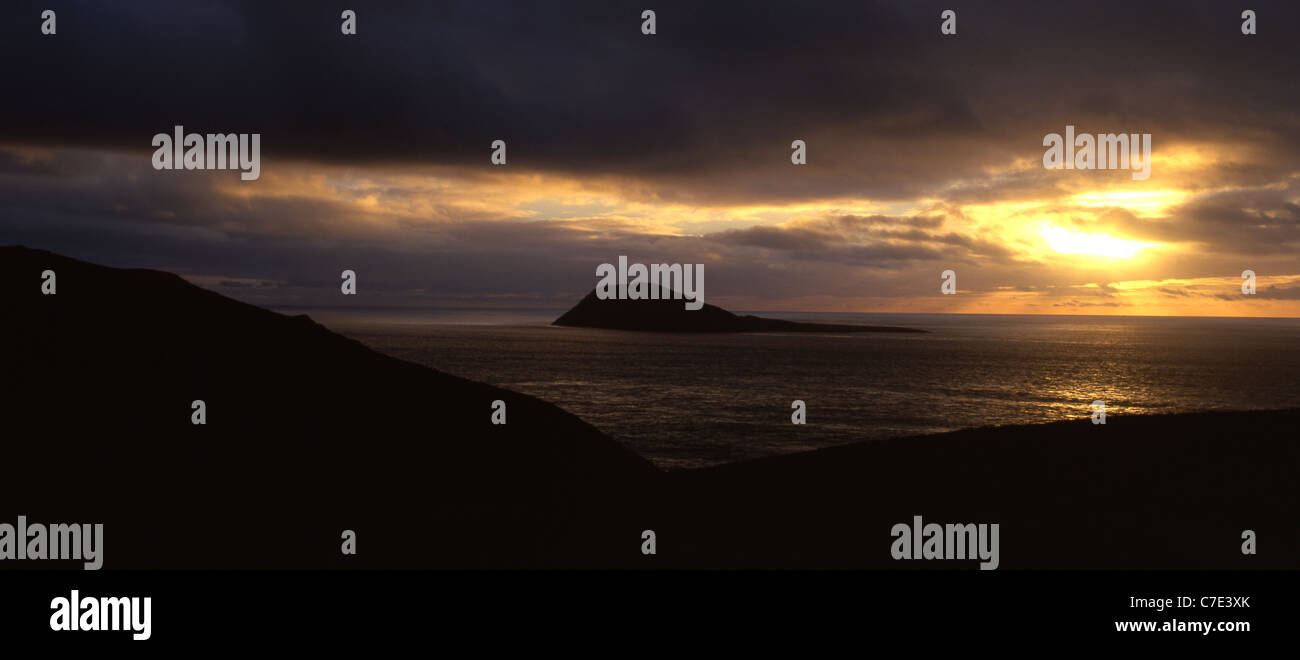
[309,433]
[669,314]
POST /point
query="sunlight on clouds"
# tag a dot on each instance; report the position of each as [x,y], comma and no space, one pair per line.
[1139,202]
[1054,244]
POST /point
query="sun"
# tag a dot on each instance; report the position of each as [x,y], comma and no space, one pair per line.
[1067,241]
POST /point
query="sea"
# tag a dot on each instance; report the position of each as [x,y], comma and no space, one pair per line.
[693,400]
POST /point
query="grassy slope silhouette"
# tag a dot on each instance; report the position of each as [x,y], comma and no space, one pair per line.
[310,433]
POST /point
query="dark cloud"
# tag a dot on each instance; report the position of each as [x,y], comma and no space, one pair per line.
[889,107]
[874,240]
[1267,293]
[1254,222]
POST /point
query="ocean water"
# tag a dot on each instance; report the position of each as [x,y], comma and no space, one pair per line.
[692,400]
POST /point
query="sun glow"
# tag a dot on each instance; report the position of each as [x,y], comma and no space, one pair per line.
[1073,242]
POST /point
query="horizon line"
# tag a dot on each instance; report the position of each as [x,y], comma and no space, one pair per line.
[753,311]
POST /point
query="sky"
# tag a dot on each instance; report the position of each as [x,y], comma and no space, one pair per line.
[924,151]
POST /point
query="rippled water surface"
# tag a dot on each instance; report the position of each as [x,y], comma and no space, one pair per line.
[692,400]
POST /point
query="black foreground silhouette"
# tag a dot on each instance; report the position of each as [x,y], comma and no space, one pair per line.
[309,433]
